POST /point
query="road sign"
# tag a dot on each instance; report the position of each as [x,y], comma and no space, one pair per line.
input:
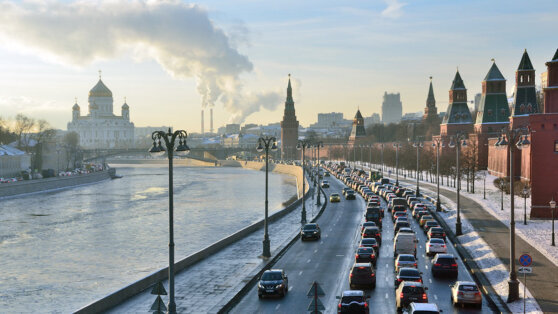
[525,270]
[315,290]
[525,260]
[316,304]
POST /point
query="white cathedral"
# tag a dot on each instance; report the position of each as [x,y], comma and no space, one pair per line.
[101,128]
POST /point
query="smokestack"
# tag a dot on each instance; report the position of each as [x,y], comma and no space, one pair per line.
[202,123]
[210,120]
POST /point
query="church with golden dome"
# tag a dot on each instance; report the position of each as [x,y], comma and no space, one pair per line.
[101,128]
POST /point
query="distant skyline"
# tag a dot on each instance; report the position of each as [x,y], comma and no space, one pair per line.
[168,58]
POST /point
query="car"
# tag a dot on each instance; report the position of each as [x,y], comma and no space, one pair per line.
[424,219]
[411,199]
[401,224]
[407,274]
[410,292]
[430,224]
[334,198]
[399,214]
[405,230]
[345,189]
[374,214]
[413,203]
[362,275]
[422,308]
[444,264]
[273,282]
[398,209]
[365,255]
[372,232]
[435,246]
[405,260]
[466,292]
[325,184]
[310,231]
[350,195]
[352,301]
[436,232]
[421,213]
[369,242]
[367,224]
[326,174]
[405,243]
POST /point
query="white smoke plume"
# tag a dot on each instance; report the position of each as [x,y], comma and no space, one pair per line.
[180,37]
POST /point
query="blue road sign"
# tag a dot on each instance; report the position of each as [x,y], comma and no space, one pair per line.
[525,260]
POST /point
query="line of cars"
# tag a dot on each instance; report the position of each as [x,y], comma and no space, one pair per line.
[411,294]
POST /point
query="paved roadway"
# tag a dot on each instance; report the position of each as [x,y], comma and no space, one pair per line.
[328,261]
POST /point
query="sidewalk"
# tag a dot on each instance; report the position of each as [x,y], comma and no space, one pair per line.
[214,281]
[542,283]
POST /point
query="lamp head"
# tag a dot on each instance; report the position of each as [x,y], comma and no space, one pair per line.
[451,143]
[298,146]
[182,149]
[553,203]
[274,147]
[260,147]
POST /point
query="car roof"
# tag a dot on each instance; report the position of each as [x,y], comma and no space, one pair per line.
[406,255]
[412,283]
[311,224]
[466,283]
[425,306]
[362,265]
[353,293]
[273,271]
[406,229]
[445,256]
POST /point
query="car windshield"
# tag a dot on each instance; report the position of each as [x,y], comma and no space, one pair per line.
[334,194]
[369,241]
[468,288]
[362,269]
[437,230]
[403,224]
[426,312]
[409,272]
[446,260]
[406,258]
[413,289]
[437,241]
[365,250]
[349,299]
[268,276]
[310,227]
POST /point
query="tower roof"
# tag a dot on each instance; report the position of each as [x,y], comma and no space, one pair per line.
[494,74]
[430,99]
[289,91]
[75,107]
[457,82]
[100,90]
[525,63]
[358,115]
[555,58]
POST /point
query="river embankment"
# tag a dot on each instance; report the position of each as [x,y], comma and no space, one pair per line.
[14,189]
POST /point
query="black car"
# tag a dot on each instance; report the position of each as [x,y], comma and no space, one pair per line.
[372,232]
[407,274]
[273,282]
[350,195]
[374,214]
[310,231]
[436,232]
[345,189]
[352,301]
[325,184]
[365,255]
[401,224]
[362,275]
[368,224]
[369,242]
[444,264]
[410,292]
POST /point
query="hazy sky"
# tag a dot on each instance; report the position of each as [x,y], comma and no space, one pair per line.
[170,57]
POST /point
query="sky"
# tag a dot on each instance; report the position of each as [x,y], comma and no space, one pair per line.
[171,58]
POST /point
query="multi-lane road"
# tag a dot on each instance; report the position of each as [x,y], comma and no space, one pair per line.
[329,260]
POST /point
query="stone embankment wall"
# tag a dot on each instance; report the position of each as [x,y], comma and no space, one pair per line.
[49,184]
[186,162]
[279,168]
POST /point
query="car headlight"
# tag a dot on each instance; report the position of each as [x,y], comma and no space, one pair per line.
[260,285]
[315,232]
[279,286]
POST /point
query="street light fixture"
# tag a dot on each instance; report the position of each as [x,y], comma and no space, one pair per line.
[182,149]
[302,145]
[418,144]
[264,143]
[513,138]
[397,146]
[525,194]
[437,143]
[457,141]
[552,208]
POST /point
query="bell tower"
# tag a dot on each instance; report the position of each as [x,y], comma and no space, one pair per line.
[289,127]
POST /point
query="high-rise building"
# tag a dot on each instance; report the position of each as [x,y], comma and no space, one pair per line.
[289,126]
[392,108]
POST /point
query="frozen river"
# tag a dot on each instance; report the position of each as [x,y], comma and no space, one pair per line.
[62,250]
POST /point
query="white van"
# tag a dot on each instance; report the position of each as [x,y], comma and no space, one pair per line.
[405,243]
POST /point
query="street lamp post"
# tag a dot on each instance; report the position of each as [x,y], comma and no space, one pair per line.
[301,145]
[484,185]
[525,194]
[382,146]
[552,208]
[319,145]
[361,157]
[182,149]
[397,146]
[437,143]
[512,138]
[264,143]
[370,163]
[418,144]
[354,156]
[457,141]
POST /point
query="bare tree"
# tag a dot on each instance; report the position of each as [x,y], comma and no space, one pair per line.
[44,132]
[71,143]
[22,128]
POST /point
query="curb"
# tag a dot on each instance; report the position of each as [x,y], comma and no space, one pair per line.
[227,307]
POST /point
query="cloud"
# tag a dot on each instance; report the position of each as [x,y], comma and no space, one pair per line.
[393,9]
[180,37]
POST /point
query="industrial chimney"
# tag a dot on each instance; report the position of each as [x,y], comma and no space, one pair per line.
[202,131]
[210,120]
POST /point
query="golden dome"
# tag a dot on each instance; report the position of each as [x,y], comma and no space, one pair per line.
[100,90]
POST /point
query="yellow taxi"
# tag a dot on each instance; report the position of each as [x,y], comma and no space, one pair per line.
[335,198]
